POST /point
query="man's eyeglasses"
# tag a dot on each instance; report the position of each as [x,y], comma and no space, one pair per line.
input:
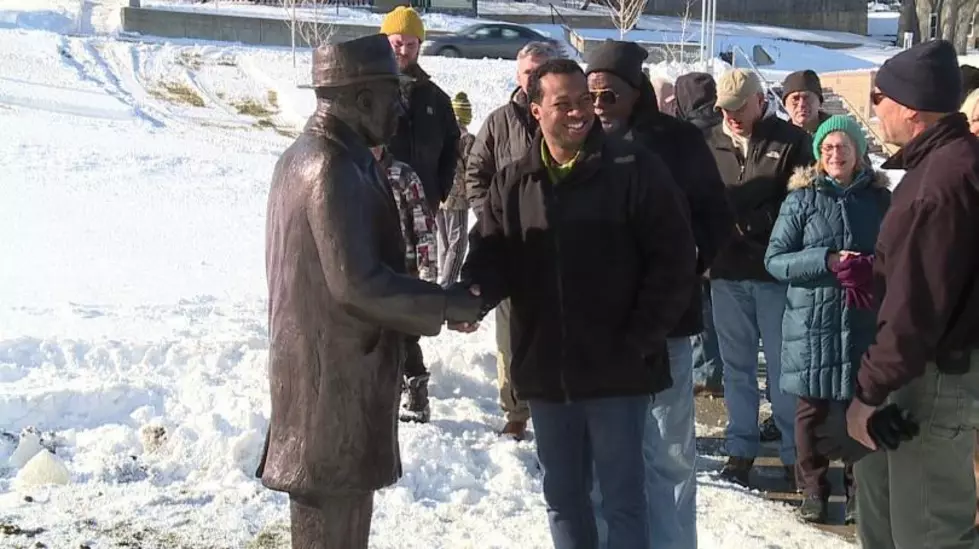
[876,97]
[608,97]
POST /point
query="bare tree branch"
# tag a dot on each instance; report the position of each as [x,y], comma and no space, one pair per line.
[676,51]
[307,18]
[625,14]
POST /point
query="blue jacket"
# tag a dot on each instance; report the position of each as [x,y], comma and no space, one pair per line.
[822,338]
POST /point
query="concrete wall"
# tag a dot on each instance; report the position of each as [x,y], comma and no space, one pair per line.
[225,27]
[854,86]
[839,15]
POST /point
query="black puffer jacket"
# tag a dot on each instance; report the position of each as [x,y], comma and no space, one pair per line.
[598,269]
[685,152]
[756,186]
[428,136]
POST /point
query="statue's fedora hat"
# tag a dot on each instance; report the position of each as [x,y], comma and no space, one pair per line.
[366,59]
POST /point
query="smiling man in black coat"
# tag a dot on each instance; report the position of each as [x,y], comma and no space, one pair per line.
[590,239]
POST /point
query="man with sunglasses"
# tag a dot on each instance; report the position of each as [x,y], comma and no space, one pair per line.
[626,105]
[925,356]
[756,155]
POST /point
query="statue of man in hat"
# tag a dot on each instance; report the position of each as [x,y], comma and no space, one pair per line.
[340,303]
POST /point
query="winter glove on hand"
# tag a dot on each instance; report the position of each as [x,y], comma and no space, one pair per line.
[888,426]
[856,275]
[461,306]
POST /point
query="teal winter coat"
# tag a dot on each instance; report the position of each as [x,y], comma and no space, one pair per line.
[822,338]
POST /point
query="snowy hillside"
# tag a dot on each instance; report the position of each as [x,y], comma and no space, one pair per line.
[133,323]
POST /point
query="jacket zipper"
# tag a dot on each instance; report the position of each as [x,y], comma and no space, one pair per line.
[560,298]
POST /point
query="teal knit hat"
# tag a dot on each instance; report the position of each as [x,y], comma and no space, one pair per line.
[839,123]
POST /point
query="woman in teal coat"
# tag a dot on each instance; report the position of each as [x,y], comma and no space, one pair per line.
[823,245]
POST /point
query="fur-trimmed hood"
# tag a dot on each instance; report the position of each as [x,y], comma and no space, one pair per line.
[805,177]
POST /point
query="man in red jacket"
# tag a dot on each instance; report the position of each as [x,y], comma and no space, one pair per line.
[925,357]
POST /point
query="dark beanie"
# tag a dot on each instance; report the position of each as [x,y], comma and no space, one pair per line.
[695,90]
[623,59]
[970,79]
[798,81]
[924,77]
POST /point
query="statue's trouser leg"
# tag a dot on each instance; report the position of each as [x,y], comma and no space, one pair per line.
[336,522]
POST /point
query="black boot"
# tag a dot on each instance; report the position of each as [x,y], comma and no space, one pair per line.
[414,405]
[814,509]
[768,431]
[737,470]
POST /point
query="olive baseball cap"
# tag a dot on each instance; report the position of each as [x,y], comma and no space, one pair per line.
[735,87]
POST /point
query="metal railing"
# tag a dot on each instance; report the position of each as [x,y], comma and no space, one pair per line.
[575,40]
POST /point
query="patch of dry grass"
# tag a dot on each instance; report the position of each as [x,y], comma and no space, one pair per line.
[251,107]
[178,93]
[190,60]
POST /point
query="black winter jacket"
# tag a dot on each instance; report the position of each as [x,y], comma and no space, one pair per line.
[597,269]
[683,148]
[428,136]
[756,187]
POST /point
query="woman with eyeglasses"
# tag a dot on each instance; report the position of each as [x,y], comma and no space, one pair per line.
[823,245]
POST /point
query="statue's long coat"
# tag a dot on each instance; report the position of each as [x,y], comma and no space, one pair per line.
[339,309]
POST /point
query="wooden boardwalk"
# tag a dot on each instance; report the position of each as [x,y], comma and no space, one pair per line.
[767,475]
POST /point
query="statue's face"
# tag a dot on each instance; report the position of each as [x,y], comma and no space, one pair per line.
[380,106]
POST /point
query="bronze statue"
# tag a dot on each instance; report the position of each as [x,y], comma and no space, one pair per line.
[340,304]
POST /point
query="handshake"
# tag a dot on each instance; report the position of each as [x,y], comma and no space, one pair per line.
[464,307]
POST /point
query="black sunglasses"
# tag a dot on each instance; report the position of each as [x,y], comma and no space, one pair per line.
[609,97]
[876,98]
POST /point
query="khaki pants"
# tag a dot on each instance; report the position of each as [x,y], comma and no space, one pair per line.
[513,409]
[923,496]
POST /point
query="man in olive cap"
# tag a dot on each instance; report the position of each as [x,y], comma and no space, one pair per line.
[340,303]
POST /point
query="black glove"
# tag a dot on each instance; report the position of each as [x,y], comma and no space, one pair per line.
[888,427]
[462,306]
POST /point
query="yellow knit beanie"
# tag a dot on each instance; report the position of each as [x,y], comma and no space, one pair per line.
[462,108]
[403,20]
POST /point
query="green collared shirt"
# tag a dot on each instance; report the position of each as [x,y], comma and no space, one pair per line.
[557,172]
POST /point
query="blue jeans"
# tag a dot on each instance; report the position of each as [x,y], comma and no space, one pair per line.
[708,370]
[606,434]
[670,452]
[743,310]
